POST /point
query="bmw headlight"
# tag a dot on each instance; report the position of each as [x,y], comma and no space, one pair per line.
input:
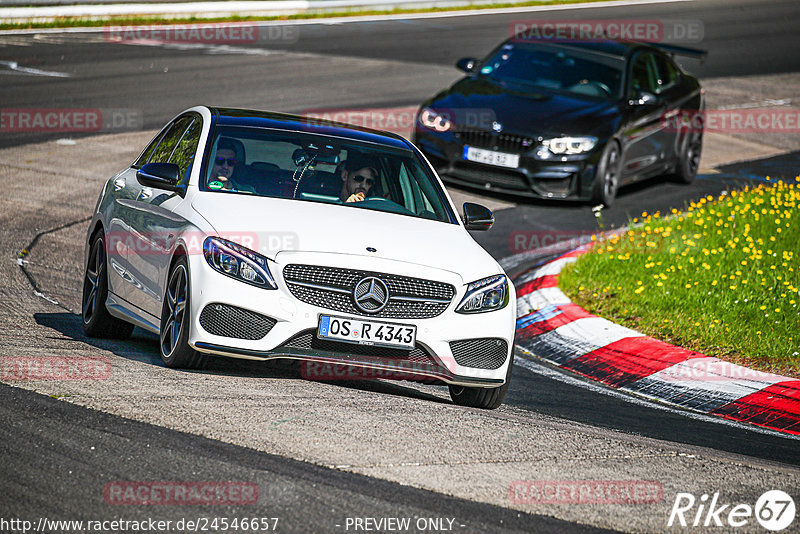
[569,145]
[238,262]
[485,295]
[435,121]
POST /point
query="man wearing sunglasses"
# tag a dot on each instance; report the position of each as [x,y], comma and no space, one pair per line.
[359,175]
[223,164]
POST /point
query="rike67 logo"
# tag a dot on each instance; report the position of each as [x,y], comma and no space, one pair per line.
[774,511]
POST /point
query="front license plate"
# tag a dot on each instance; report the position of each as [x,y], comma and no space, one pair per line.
[490,157]
[363,332]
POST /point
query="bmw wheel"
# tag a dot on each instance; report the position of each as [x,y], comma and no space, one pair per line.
[606,181]
[175,321]
[97,322]
[484,398]
[689,163]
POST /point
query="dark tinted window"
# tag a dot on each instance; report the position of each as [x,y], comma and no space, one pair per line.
[557,68]
[643,75]
[164,149]
[667,74]
[184,152]
[315,168]
[145,157]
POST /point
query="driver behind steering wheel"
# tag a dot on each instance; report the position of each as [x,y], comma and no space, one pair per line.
[359,174]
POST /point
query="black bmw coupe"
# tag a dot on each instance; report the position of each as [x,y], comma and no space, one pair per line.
[566,120]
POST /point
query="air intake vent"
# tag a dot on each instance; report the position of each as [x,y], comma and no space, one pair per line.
[332,288]
[516,144]
[230,321]
[307,340]
[483,353]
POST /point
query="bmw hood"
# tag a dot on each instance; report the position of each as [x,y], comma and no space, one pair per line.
[271,225]
[523,109]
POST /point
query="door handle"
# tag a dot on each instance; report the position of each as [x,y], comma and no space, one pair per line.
[146,193]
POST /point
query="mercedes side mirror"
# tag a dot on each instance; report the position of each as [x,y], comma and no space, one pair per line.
[477,217]
[160,175]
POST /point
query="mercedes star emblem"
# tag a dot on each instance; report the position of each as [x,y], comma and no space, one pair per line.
[371,295]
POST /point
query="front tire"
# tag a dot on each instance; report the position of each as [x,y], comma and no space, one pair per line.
[176,320]
[484,398]
[606,181]
[97,322]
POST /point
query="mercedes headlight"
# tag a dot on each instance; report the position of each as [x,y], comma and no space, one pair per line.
[569,145]
[485,295]
[238,262]
[434,121]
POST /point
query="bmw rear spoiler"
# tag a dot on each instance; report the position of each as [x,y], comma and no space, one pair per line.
[674,50]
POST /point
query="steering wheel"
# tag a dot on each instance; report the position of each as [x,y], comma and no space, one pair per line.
[600,85]
[389,203]
[596,85]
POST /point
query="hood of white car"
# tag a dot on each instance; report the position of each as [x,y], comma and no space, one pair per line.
[270,226]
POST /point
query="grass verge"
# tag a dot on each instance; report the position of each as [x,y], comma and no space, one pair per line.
[84,22]
[722,278]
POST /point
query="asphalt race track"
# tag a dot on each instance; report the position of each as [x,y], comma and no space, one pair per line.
[323,452]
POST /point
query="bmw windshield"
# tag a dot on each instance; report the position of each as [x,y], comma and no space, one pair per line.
[328,169]
[556,68]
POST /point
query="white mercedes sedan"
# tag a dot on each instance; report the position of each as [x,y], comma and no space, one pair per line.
[257,235]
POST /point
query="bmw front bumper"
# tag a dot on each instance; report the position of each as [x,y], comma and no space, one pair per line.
[559,177]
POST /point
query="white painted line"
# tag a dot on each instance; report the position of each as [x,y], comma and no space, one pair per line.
[701,396]
[634,398]
[13,65]
[45,297]
[576,339]
[552,268]
[595,331]
[715,371]
[731,389]
[99,10]
[212,48]
[555,267]
[763,104]
[368,18]
[536,300]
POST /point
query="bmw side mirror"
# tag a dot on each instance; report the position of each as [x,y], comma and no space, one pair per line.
[467,64]
[646,99]
[477,217]
[160,175]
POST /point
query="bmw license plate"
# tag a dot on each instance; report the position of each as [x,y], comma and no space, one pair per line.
[363,332]
[490,157]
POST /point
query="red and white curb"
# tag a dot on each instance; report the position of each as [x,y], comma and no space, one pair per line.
[551,327]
